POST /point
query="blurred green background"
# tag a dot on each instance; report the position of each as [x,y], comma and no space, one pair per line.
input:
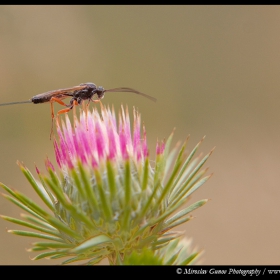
[213,69]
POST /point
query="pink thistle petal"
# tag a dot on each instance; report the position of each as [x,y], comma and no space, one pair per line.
[92,138]
[111,141]
[37,170]
[69,163]
[127,130]
[76,145]
[94,163]
[162,147]
[123,149]
[123,139]
[80,151]
[100,141]
[144,143]
[136,135]
[63,146]
[158,148]
[68,140]
[84,146]
[57,153]
[113,117]
[49,165]
[68,134]
[138,152]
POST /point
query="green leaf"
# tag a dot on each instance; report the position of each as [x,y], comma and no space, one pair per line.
[111,180]
[48,245]
[34,234]
[179,222]
[169,162]
[127,197]
[36,249]
[189,260]
[166,213]
[54,178]
[31,204]
[38,222]
[103,198]
[62,227]
[183,187]
[186,162]
[168,144]
[45,255]
[26,224]
[78,184]
[197,185]
[95,260]
[164,240]
[56,189]
[75,259]
[46,189]
[199,165]
[161,160]
[185,211]
[146,174]
[147,205]
[22,206]
[127,183]
[39,190]
[143,257]
[60,255]
[168,186]
[190,189]
[178,160]
[88,188]
[91,243]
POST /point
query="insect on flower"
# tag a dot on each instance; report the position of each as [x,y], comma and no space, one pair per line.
[78,94]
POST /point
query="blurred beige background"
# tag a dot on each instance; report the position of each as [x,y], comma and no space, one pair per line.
[215,72]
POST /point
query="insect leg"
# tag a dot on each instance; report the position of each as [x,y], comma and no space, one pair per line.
[55,99]
[68,109]
[98,101]
[52,100]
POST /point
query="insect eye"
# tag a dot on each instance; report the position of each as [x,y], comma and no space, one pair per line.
[101,89]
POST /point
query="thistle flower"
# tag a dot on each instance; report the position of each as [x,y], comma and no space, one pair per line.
[108,199]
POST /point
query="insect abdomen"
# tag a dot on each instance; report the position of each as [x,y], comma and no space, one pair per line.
[41,98]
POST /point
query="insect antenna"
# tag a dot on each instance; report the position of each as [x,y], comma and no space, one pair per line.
[125,89]
[19,102]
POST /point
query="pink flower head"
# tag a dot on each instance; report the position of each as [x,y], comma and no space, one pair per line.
[96,137]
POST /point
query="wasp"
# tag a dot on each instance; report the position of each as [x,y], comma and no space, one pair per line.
[78,94]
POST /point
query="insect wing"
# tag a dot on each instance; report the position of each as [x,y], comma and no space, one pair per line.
[59,93]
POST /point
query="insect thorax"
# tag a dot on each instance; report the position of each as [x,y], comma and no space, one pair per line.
[85,93]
